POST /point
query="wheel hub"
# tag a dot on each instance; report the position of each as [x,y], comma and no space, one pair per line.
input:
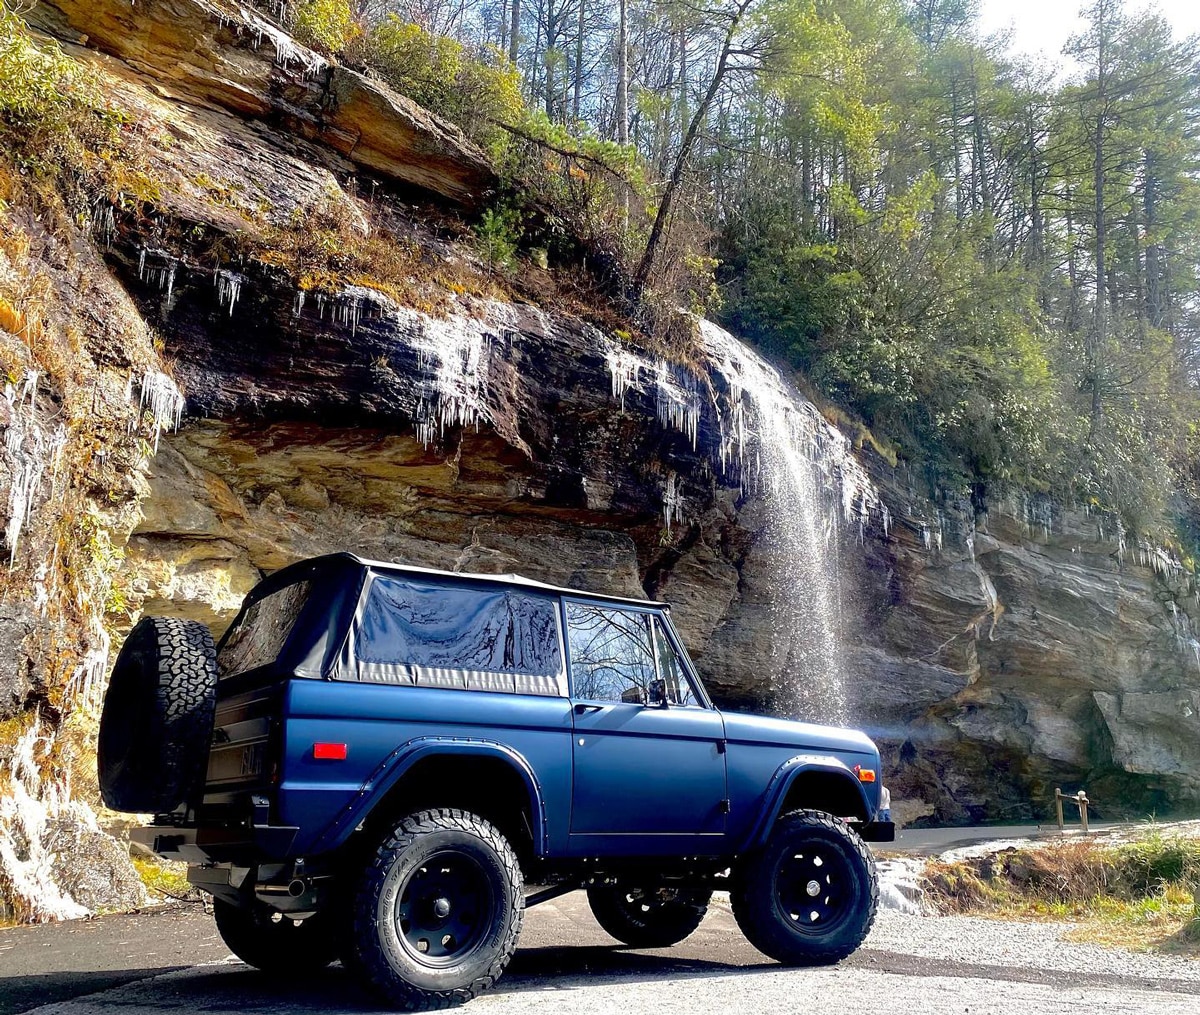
[443,909]
[813,889]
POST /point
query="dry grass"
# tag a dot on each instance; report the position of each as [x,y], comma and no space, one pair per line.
[1140,894]
[325,249]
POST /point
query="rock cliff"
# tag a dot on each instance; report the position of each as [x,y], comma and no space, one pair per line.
[996,646]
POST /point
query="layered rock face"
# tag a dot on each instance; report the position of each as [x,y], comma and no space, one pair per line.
[994,649]
[1027,647]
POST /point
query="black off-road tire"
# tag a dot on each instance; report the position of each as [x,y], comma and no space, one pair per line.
[274,943]
[773,898]
[647,918]
[157,721]
[438,910]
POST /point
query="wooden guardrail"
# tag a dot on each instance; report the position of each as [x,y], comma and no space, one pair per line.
[1079,799]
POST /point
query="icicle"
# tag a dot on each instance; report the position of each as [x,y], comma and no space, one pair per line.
[623,368]
[672,501]
[298,303]
[162,397]
[677,401]
[229,288]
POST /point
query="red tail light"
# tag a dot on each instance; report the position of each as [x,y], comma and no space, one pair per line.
[329,752]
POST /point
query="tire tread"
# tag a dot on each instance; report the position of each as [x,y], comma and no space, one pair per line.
[750,903]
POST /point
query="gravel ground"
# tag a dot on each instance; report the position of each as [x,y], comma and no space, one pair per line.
[976,940]
[174,964]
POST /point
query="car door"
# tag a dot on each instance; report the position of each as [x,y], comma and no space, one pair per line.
[649,761]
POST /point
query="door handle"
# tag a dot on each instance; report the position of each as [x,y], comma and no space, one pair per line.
[582,709]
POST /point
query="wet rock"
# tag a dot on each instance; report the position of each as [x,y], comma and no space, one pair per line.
[17,623]
[92,867]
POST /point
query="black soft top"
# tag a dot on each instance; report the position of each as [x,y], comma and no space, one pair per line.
[331,563]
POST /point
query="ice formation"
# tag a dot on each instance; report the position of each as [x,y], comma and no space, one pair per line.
[30,451]
[229,289]
[162,397]
[161,274]
[672,501]
[27,814]
[675,390]
[452,357]
[288,53]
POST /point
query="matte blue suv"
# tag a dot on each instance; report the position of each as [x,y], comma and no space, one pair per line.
[387,765]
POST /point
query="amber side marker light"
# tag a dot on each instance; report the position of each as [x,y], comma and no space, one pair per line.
[329,752]
[864,774]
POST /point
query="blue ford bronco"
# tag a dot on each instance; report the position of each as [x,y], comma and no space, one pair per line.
[389,764]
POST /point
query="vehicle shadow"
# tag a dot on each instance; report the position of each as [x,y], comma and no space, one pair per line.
[236,987]
[21,993]
[531,967]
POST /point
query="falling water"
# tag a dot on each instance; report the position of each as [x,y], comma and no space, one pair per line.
[784,451]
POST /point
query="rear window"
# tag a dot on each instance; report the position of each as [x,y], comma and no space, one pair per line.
[496,639]
[258,635]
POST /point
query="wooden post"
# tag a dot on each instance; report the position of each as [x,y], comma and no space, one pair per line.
[1083,806]
[1058,797]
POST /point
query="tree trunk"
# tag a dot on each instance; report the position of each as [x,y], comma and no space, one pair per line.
[578,62]
[1155,309]
[685,149]
[514,36]
[623,71]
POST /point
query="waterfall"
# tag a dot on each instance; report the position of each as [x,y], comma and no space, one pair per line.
[775,446]
[781,449]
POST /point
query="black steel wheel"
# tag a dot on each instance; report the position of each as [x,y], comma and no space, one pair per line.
[272,942]
[809,896]
[439,910]
[647,918]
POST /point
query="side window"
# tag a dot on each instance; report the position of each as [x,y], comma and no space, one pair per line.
[258,635]
[612,655]
[458,636]
[679,688]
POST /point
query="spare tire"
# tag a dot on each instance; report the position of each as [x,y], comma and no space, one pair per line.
[157,721]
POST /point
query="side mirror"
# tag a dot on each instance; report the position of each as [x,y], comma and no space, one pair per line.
[658,693]
[633,696]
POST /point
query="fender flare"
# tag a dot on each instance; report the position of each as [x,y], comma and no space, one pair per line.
[784,778]
[396,765]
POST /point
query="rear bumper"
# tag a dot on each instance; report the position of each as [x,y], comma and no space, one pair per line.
[878,831]
[246,846]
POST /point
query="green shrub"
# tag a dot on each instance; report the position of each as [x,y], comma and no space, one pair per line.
[328,26]
[474,91]
[52,111]
[498,233]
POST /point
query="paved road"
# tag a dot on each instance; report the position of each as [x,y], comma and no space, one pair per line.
[173,961]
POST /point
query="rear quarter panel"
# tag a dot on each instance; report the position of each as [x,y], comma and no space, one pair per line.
[377,721]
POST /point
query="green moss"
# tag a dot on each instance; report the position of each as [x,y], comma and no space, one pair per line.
[162,879]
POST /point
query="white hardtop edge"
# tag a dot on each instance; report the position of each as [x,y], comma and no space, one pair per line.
[504,579]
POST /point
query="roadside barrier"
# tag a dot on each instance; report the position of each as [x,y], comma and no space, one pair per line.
[1079,799]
